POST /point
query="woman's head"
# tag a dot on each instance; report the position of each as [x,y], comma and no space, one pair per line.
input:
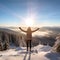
[29,29]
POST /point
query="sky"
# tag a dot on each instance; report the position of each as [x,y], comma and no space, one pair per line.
[44,12]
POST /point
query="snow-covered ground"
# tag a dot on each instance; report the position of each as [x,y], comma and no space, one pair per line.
[41,52]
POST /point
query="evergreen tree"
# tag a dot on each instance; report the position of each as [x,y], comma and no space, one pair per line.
[6,45]
[1,45]
[56,47]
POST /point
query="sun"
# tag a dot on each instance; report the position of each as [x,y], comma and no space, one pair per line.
[29,21]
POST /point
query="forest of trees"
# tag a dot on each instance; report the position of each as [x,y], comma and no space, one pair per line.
[6,40]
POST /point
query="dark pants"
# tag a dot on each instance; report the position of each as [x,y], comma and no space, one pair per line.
[28,43]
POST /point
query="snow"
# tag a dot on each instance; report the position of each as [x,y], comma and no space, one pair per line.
[19,53]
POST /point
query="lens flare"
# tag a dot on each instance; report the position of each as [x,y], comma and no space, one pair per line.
[29,21]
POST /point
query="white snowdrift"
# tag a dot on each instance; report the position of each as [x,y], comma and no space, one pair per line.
[43,53]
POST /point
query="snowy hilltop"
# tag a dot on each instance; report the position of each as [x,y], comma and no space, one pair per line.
[39,52]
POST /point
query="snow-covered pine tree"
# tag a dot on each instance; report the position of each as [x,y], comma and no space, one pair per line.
[1,45]
[6,45]
[56,47]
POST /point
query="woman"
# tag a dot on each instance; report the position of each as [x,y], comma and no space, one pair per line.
[28,36]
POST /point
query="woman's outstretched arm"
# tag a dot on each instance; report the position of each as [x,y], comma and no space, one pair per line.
[35,30]
[22,29]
